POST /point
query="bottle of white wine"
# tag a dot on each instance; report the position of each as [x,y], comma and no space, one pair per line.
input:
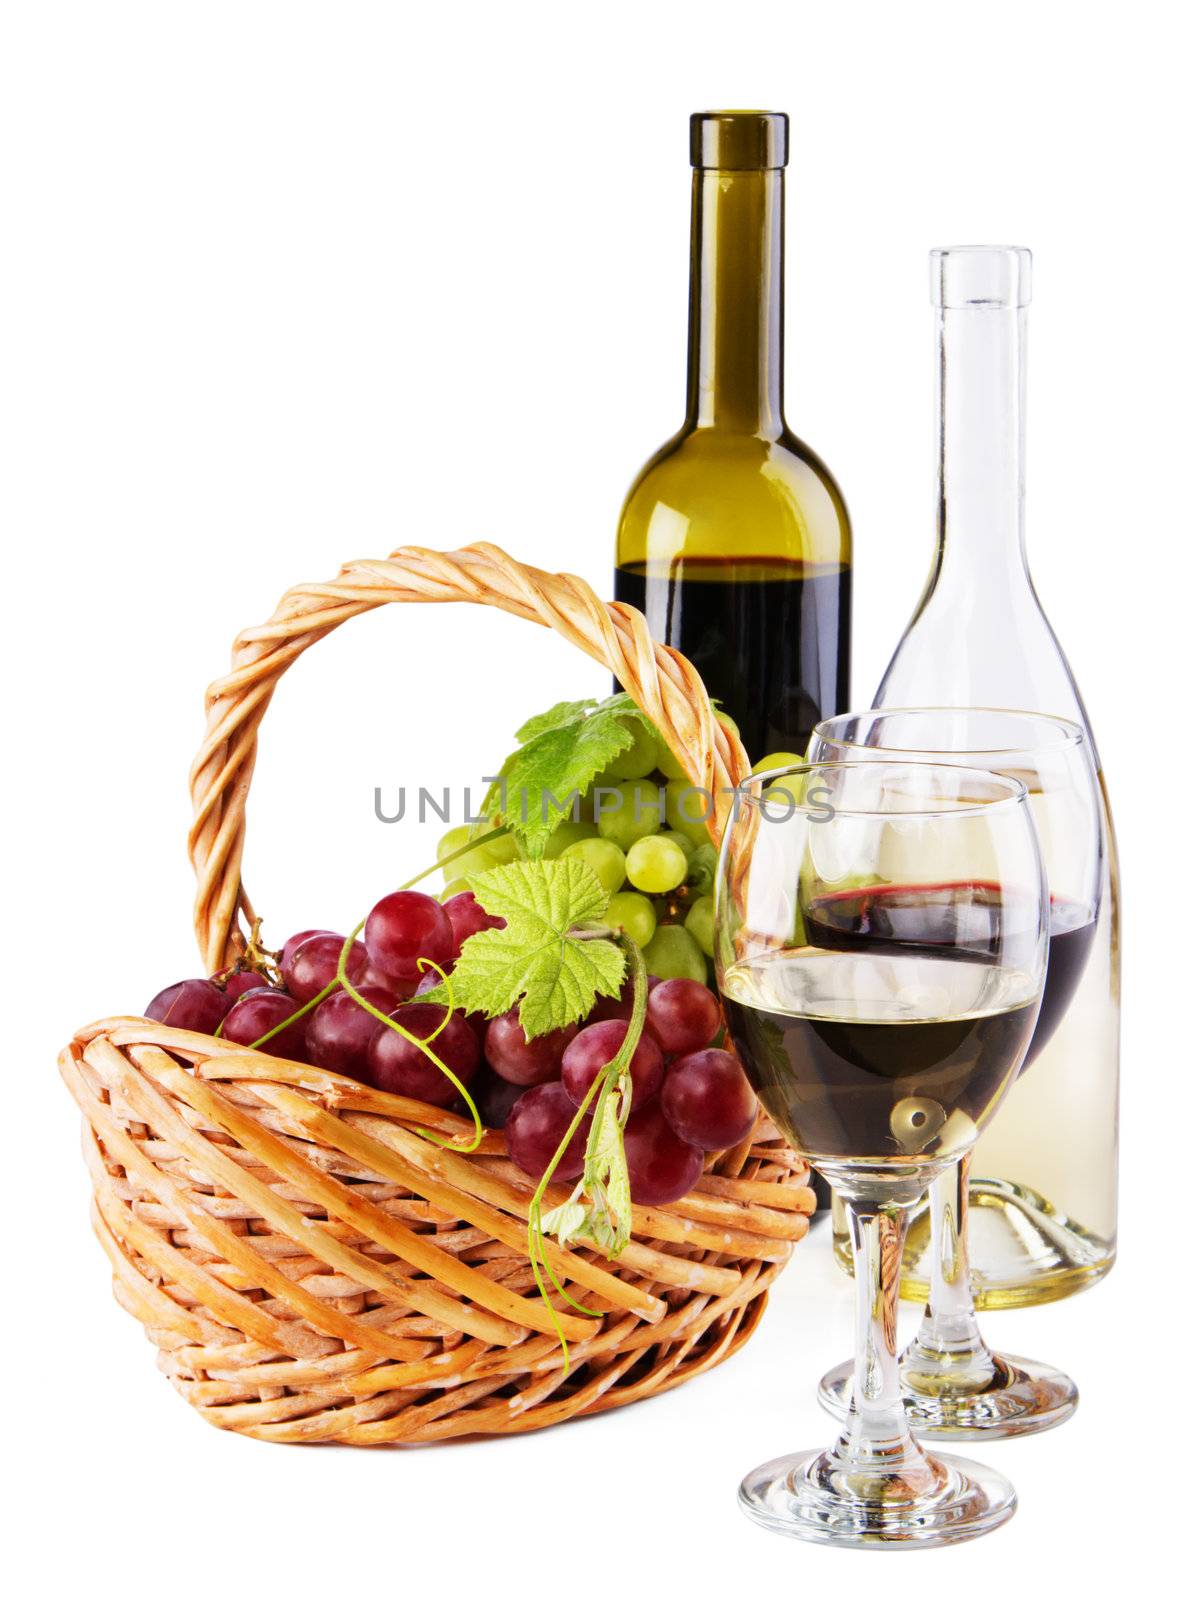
[734,539]
[1044,1184]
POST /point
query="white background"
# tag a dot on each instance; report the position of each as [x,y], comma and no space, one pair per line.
[283,285]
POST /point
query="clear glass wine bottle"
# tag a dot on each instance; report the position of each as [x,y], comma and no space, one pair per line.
[1044,1187]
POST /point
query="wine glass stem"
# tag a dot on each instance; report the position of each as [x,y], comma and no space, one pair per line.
[949,1343]
[876,1437]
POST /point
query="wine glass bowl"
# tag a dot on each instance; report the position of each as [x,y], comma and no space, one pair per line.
[880,1062]
[952,1383]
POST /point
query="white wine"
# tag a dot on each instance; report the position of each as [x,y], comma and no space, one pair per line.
[1044,1185]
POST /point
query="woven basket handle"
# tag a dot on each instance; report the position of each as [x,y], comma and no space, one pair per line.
[660,680]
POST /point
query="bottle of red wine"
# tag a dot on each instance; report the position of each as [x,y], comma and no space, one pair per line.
[734,540]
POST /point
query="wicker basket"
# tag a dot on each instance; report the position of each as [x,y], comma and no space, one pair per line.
[311,1268]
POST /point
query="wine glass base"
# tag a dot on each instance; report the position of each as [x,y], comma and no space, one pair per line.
[802,1497]
[1025,1397]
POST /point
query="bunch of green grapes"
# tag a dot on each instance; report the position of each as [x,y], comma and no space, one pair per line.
[642,830]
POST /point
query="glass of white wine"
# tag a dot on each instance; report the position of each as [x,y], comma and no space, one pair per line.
[880,1064]
[952,1383]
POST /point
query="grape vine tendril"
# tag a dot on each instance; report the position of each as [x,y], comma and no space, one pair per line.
[341,981]
[613,1075]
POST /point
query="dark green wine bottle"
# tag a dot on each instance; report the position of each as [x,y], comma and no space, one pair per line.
[734,539]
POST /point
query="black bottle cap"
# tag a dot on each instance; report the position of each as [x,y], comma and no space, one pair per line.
[739,141]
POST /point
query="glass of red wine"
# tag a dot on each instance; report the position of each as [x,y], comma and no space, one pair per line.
[881,1063]
[952,1383]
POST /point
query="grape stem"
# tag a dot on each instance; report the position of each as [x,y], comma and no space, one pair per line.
[421,1044]
[256,958]
[453,855]
[301,1011]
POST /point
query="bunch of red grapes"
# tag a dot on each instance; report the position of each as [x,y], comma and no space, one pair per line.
[687,1096]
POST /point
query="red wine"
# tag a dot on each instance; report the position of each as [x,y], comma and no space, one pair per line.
[889,1056]
[770,638]
[955,917]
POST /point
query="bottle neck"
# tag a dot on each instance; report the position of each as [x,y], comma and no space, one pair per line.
[982,417]
[735,293]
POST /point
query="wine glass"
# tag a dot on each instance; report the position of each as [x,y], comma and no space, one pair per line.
[880,1064]
[952,1383]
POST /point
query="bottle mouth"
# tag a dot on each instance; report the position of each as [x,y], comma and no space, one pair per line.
[993,276]
[739,141]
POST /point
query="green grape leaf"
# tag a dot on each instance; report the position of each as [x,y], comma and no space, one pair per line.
[535,961]
[565,1221]
[559,716]
[560,754]
[624,703]
[606,1220]
[607,1181]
